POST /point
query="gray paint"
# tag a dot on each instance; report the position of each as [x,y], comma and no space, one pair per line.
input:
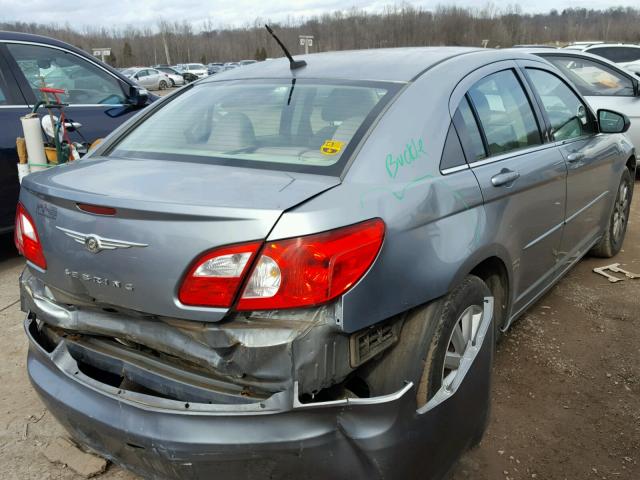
[439,227]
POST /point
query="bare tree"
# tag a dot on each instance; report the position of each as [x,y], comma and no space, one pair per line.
[395,26]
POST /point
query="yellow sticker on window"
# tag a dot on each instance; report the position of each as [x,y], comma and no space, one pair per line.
[331,147]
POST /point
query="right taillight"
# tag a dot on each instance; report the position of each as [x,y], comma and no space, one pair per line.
[314,269]
[27,239]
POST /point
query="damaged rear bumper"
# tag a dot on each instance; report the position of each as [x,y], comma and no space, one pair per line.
[273,437]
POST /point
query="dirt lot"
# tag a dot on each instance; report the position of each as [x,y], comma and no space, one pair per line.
[566,395]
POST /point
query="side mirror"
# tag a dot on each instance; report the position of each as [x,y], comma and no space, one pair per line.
[612,122]
[138,96]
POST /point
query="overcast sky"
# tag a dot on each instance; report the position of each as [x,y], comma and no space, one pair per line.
[119,13]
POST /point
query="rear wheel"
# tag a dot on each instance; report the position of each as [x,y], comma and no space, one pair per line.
[433,340]
[611,242]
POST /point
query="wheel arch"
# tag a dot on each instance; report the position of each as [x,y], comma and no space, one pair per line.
[632,165]
[491,266]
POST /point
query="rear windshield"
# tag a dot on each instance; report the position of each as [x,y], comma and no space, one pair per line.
[303,126]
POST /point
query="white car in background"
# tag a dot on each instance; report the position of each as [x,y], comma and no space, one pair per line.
[604,84]
[197,69]
[615,52]
[173,75]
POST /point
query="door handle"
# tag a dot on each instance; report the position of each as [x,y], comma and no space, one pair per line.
[505,177]
[575,156]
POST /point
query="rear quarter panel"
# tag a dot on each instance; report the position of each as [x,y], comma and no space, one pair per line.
[436,225]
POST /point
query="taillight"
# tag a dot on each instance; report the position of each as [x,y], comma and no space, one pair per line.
[313,269]
[26,238]
[214,278]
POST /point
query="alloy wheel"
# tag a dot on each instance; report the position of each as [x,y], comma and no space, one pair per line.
[620,211]
[463,335]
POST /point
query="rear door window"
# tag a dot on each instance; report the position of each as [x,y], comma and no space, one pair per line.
[567,114]
[84,82]
[505,113]
[469,132]
[452,154]
[299,125]
[593,78]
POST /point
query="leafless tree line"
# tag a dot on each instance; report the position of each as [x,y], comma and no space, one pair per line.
[397,26]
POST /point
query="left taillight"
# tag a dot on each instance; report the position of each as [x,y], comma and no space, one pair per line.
[312,270]
[27,239]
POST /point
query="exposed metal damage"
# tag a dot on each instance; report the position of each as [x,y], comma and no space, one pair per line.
[168,421]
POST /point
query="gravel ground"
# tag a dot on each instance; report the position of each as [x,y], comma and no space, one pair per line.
[566,392]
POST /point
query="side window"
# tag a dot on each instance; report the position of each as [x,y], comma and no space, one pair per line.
[593,78]
[617,54]
[84,82]
[568,115]
[3,94]
[452,154]
[467,128]
[505,113]
[142,73]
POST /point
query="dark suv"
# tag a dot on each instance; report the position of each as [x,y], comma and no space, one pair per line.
[99,97]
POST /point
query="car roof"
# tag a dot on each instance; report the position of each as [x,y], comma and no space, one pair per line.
[386,64]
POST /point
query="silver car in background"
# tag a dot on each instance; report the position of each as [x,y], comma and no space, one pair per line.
[173,75]
[149,78]
[300,270]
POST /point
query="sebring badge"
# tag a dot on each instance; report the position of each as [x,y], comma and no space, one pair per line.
[95,243]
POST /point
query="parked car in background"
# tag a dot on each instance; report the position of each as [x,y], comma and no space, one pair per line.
[615,52]
[230,66]
[603,84]
[302,273]
[213,68]
[148,77]
[633,67]
[173,75]
[243,63]
[197,69]
[94,91]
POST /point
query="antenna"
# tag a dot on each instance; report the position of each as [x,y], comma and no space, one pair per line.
[293,64]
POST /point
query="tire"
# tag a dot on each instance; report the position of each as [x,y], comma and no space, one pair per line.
[163,85]
[613,238]
[173,83]
[424,343]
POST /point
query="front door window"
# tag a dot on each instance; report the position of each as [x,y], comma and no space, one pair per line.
[84,82]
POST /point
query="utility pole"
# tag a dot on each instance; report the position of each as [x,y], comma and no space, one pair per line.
[306,41]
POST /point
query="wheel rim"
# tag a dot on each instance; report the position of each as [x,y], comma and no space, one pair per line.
[620,212]
[463,335]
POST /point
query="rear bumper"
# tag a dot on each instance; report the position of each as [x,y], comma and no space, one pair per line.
[275,437]
[382,437]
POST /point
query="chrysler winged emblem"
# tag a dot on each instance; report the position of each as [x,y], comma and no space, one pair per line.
[95,243]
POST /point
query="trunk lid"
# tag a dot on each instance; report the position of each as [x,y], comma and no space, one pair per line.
[167,214]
